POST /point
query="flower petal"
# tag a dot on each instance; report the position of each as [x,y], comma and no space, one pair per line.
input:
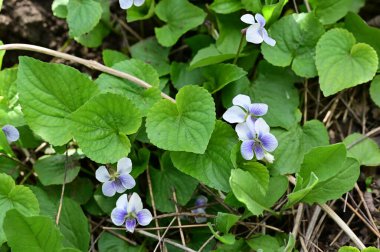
[268,39]
[119,186]
[118,216]
[134,204]
[138,2]
[259,151]
[253,34]
[199,211]
[102,174]
[11,133]
[246,149]
[261,127]
[127,181]
[109,188]
[258,109]
[242,101]
[260,19]
[125,4]
[124,165]
[248,19]
[269,157]
[201,201]
[122,202]
[269,142]
[130,225]
[244,132]
[235,114]
[144,217]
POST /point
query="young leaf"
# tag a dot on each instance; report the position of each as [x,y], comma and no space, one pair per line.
[83,16]
[109,242]
[186,125]
[101,125]
[111,57]
[210,55]
[374,90]
[226,6]
[34,234]
[49,93]
[143,12]
[214,166]
[367,151]
[264,242]
[94,38]
[224,221]
[343,63]
[330,11]
[180,16]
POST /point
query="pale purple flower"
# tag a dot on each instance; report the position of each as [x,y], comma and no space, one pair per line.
[126,4]
[11,133]
[118,181]
[243,108]
[256,33]
[128,211]
[200,202]
[256,139]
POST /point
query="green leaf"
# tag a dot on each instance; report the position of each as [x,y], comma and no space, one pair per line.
[266,243]
[226,239]
[226,6]
[142,98]
[109,242]
[167,179]
[48,203]
[296,36]
[214,166]
[348,249]
[343,63]
[367,151]
[49,93]
[101,125]
[180,17]
[111,57]
[106,204]
[210,55]
[94,38]
[74,226]
[259,172]
[254,6]
[363,32]
[243,184]
[181,75]
[301,190]
[2,53]
[16,197]
[230,34]
[224,221]
[152,53]
[301,139]
[59,8]
[272,12]
[143,12]
[83,16]
[186,125]
[32,234]
[9,167]
[330,11]
[374,90]
[371,249]
[51,169]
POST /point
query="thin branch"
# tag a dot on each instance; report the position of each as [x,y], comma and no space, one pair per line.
[160,228]
[162,237]
[88,63]
[63,188]
[297,221]
[121,236]
[186,214]
[206,243]
[178,219]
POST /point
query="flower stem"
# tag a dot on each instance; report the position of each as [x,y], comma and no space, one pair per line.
[239,49]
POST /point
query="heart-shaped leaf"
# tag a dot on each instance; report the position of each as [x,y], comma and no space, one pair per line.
[184,126]
[343,63]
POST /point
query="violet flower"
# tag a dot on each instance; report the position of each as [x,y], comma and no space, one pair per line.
[200,202]
[244,109]
[118,181]
[126,4]
[256,140]
[128,211]
[11,133]
[256,33]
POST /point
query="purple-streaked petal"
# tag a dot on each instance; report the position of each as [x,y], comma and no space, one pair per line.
[125,4]
[119,186]
[261,127]
[258,109]
[199,211]
[124,166]
[118,216]
[122,202]
[253,34]
[235,114]
[144,217]
[260,19]
[109,188]
[130,225]
[248,19]
[268,39]
[11,133]
[201,201]
[244,132]
[134,204]
[127,181]
[139,2]
[102,174]
[246,149]
[242,101]
[259,151]
[269,142]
